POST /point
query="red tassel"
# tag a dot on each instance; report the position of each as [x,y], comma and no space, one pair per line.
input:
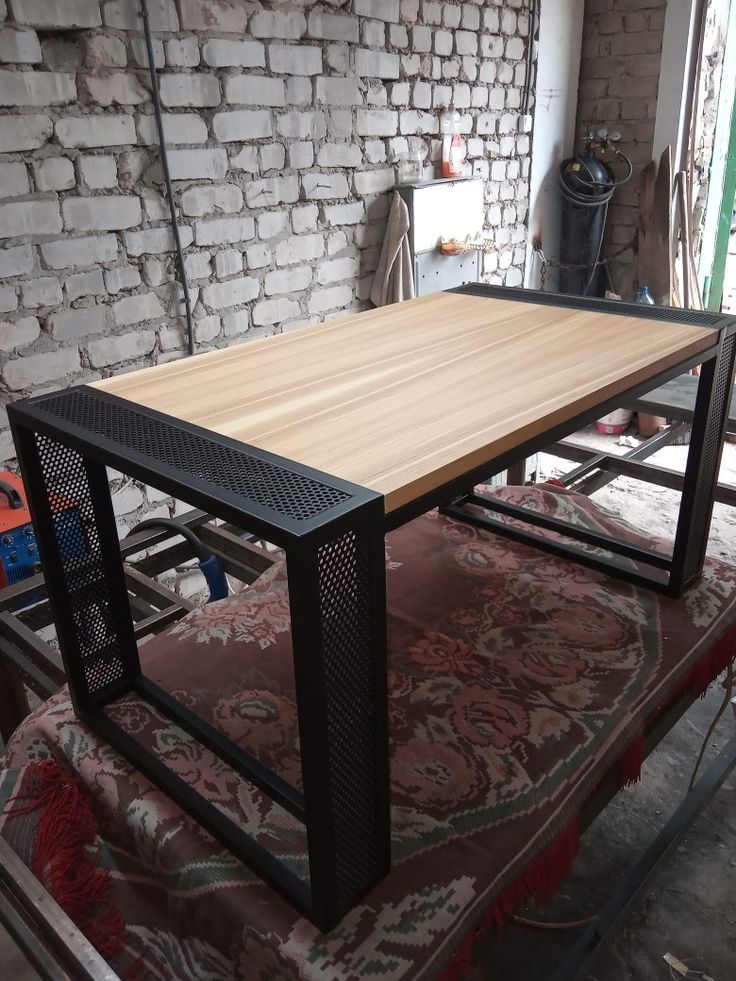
[542,879]
[554,482]
[630,763]
[62,861]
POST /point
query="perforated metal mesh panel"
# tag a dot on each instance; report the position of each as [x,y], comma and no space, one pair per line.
[711,457]
[286,492]
[346,639]
[673,314]
[85,588]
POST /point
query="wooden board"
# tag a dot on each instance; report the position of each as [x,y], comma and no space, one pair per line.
[405,398]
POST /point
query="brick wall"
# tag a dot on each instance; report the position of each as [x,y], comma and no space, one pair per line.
[619,79]
[282,120]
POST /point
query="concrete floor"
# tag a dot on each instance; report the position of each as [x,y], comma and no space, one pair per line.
[688,909]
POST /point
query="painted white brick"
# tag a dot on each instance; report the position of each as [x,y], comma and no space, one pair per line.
[273,156]
[102,51]
[182,52]
[338,270]
[298,91]
[272,223]
[258,256]
[179,127]
[380,9]
[98,171]
[373,33]
[289,59]
[125,16]
[116,88]
[231,293]
[213,15]
[207,328]
[84,284]
[33,88]
[419,123]
[292,280]
[289,25]
[398,36]
[155,272]
[140,52]
[195,164]
[189,90]
[136,309]
[234,54]
[374,181]
[338,91]
[19,333]
[53,174]
[246,159]
[339,155]
[301,155]
[101,213]
[331,298]
[333,27]
[443,42]
[8,299]
[302,125]
[377,122]
[20,46]
[255,90]
[320,186]
[269,312]
[79,251]
[14,180]
[211,198]
[376,64]
[241,124]
[43,292]
[228,263]
[375,151]
[336,242]
[153,241]
[121,278]
[26,132]
[29,218]
[272,191]
[300,248]
[89,131]
[16,261]
[63,14]
[345,214]
[122,347]
[305,219]
[38,369]
[217,231]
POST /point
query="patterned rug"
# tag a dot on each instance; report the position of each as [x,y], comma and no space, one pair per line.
[517,681]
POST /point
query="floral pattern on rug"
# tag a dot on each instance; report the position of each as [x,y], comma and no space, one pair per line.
[516,681]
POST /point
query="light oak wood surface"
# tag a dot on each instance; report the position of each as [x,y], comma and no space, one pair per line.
[405,398]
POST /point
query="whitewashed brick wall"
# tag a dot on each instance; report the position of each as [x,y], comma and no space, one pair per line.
[619,81]
[283,121]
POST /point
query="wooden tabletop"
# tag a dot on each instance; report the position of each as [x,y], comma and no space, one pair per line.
[404,398]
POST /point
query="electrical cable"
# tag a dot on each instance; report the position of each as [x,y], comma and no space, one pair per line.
[198,547]
[533,21]
[167,176]
[552,925]
[727,683]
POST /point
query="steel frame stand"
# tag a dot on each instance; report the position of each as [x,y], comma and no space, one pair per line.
[640,566]
[332,535]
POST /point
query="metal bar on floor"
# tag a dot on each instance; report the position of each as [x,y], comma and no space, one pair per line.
[588,946]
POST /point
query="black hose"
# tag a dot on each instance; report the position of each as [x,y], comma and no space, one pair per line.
[167,176]
[200,550]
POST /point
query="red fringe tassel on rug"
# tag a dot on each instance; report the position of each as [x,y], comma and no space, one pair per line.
[63,861]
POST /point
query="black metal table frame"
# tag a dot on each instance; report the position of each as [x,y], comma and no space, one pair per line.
[332,533]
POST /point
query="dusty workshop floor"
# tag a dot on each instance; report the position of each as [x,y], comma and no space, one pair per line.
[689,907]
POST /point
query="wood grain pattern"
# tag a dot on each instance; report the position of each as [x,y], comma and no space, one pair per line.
[405,398]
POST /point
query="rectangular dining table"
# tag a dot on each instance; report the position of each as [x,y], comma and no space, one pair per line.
[320,441]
